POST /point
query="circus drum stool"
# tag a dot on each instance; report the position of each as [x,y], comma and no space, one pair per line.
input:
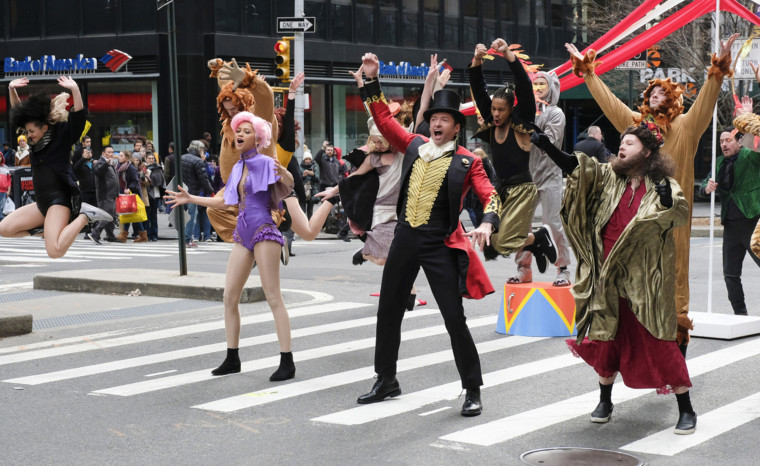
[536,309]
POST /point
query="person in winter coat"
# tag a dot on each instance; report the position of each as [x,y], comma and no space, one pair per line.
[129,183]
[310,175]
[194,176]
[155,194]
[106,191]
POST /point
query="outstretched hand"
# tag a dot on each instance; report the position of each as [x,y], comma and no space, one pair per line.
[540,140]
[573,50]
[480,52]
[501,46]
[358,75]
[296,82]
[745,107]
[725,47]
[755,69]
[665,192]
[177,198]
[67,83]
[16,83]
[232,73]
[481,236]
[329,193]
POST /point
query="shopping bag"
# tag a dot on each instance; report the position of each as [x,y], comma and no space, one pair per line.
[126,204]
[9,206]
[139,216]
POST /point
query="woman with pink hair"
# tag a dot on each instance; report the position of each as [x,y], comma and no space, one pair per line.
[256,185]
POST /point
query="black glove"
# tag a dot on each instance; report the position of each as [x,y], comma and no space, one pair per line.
[540,140]
[665,192]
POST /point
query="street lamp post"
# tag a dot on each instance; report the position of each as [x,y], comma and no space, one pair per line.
[174,86]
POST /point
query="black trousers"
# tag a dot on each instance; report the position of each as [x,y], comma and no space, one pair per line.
[736,237]
[410,250]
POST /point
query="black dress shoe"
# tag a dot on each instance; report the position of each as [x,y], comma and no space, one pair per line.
[602,413]
[358,258]
[411,302]
[383,388]
[472,405]
[687,424]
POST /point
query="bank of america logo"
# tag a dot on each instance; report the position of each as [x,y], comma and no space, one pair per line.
[115,59]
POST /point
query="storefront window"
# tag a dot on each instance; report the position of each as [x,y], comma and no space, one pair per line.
[409,26]
[119,111]
[258,18]
[96,19]
[61,19]
[430,31]
[342,20]
[388,26]
[315,130]
[138,16]
[365,21]
[227,15]
[24,18]
[451,25]
[318,10]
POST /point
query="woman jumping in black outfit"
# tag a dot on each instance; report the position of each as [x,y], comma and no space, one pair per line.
[51,131]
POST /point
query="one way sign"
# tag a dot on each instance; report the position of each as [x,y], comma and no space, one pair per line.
[304,24]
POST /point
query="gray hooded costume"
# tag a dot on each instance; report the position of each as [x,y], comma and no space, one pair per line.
[546,174]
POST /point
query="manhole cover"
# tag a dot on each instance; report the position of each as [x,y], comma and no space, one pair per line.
[573,456]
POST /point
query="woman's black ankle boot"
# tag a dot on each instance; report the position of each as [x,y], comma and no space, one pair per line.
[287,369]
[231,364]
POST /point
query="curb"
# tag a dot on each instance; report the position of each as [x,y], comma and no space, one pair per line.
[159,283]
[13,324]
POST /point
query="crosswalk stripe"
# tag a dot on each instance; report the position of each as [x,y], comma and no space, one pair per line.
[263,363]
[62,341]
[710,425]
[525,422]
[111,366]
[7,258]
[409,402]
[94,254]
[172,332]
[282,392]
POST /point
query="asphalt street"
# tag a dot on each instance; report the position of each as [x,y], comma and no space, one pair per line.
[116,379]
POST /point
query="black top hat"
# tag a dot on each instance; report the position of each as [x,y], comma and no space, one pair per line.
[446,101]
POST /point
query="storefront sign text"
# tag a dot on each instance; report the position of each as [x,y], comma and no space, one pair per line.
[50,64]
[403,69]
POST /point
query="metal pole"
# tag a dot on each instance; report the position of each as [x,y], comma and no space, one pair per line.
[298,53]
[630,88]
[174,86]
[716,45]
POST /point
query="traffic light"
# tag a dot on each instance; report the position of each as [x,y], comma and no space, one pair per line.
[282,60]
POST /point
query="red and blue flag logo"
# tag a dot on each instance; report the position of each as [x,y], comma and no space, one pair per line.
[115,59]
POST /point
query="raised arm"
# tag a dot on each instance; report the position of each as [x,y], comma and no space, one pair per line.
[563,160]
[427,91]
[478,83]
[613,108]
[526,101]
[388,126]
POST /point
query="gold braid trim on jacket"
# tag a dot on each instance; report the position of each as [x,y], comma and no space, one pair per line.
[424,183]
[754,242]
[720,67]
[748,123]
[585,66]
[494,203]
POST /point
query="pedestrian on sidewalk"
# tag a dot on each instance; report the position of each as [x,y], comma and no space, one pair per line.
[129,183]
[256,185]
[51,131]
[106,191]
[619,218]
[156,191]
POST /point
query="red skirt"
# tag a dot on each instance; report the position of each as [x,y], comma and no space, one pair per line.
[643,360]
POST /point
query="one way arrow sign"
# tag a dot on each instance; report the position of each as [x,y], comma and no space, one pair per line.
[305,24]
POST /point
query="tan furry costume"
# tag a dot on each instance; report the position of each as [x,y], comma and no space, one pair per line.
[255,96]
[682,132]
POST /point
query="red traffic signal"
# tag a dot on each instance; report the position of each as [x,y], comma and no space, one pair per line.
[282,60]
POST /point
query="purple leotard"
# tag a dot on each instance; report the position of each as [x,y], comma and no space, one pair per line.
[254,222]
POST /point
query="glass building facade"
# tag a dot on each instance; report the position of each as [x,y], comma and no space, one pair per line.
[135,98]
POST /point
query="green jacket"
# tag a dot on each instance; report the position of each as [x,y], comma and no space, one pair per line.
[641,265]
[746,190]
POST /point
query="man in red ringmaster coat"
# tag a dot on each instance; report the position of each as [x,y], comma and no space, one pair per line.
[435,176]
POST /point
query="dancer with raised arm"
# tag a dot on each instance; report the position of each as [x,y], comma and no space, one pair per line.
[619,217]
[256,184]
[51,131]
[663,106]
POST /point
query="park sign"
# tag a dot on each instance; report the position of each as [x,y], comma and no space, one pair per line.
[306,24]
[49,64]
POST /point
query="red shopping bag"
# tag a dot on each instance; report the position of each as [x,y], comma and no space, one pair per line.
[126,204]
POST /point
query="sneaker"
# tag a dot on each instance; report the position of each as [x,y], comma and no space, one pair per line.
[687,424]
[39,231]
[191,244]
[208,240]
[94,214]
[544,243]
[602,413]
[92,238]
[523,275]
